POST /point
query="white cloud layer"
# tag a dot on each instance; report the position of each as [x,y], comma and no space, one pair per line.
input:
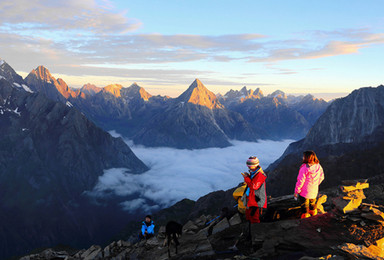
[178,174]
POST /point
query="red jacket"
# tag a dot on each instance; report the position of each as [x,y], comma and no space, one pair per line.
[257,192]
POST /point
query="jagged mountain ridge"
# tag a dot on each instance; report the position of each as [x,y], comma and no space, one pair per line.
[49,155]
[275,116]
[241,95]
[88,90]
[348,139]
[248,115]
[190,121]
[195,119]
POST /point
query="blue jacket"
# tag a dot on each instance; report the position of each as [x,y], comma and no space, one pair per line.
[150,229]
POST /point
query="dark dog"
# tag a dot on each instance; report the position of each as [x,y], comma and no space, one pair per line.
[172,231]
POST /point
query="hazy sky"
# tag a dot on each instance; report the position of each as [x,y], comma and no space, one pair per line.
[295,46]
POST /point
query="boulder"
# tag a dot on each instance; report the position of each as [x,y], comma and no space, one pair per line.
[153,242]
[223,224]
[78,254]
[161,233]
[346,206]
[235,220]
[190,226]
[94,252]
[200,222]
[122,243]
[122,256]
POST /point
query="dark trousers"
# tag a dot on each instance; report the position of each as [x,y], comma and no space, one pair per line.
[147,236]
[307,204]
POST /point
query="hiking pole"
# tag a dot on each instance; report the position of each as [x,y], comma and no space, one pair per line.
[211,220]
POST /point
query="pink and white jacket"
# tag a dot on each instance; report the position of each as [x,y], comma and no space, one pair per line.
[308,180]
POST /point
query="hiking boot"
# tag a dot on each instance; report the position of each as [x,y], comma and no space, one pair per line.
[313,212]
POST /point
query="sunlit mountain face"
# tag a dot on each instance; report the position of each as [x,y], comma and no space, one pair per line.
[196,119]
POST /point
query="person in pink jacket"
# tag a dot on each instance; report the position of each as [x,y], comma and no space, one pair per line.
[307,186]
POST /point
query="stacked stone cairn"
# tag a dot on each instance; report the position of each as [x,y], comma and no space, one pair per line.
[351,196]
[350,206]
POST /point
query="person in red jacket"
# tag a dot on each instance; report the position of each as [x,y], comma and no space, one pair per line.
[255,193]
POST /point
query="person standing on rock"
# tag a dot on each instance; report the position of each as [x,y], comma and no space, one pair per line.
[147,229]
[255,193]
[307,186]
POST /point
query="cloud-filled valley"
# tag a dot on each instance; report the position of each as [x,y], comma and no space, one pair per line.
[177,174]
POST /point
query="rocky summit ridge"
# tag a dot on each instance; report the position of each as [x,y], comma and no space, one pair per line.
[42,81]
[340,231]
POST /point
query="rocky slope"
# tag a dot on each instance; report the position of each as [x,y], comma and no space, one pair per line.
[49,155]
[348,139]
[357,233]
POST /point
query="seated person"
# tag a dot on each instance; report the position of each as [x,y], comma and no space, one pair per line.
[147,229]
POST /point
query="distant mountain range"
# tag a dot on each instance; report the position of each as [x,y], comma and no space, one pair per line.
[348,139]
[196,119]
[50,154]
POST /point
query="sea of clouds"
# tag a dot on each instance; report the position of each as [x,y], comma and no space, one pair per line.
[176,174]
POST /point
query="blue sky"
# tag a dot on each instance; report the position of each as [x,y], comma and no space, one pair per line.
[295,46]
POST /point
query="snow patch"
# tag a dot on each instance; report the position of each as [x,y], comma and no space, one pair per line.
[2,62]
[1,77]
[24,129]
[16,111]
[4,109]
[17,85]
[26,88]
[69,104]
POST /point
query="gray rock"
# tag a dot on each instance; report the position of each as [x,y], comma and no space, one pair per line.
[152,242]
[288,224]
[190,226]
[235,220]
[346,206]
[94,252]
[200,222]
[161,234]
[224,224]
[122,243]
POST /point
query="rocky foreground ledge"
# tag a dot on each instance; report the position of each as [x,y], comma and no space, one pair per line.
[350,229]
